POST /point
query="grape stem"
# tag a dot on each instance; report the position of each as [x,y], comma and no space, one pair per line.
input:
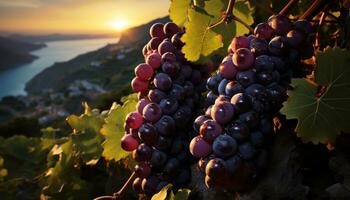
[125,186]
[287,7]
[320,24]
[228,17]
[310,12]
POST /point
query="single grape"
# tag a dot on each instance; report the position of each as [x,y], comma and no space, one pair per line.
[212,84]
[233,163]
[152,112]
[157,30]
[243,59]
[245,78]
[144,72]
[280,24]
[222,98]
[186,70]
[158,159]
[156,95]
[170,68]
[134,120]
[241,102]
[222,112]
[264,78]
[294,38]
[239,42]
[163,143]
[128,143]
[251,118]
[176,40]
[216,168]
[166,46]
[139,85]
[141,104]
[154,43]
[222,86]
[224,146]
[148,134]
[177,92]
[228,69]
[169,57]
[199,121]
[256,90]
[233,88]
[278,46]
[142,153]
[263,63]
[171,167]
[142,170]
[154,60]
[209,130]
[168,106]
[258,46]
[238,130]
[162,81]
[263,30]
[165,126]
[170,29]
[199,147]
[211,97]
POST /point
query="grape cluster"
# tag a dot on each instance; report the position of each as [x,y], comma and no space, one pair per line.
[244,95]
[158,132]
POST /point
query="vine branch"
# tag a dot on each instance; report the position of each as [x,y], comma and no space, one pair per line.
[287,7]
[317,4]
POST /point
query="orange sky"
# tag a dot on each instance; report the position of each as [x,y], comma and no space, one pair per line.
[77,16]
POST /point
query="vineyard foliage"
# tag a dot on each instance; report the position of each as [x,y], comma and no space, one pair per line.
[55,166]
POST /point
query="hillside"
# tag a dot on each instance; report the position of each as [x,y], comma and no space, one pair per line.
[111,72]
[57,37]
[14,53]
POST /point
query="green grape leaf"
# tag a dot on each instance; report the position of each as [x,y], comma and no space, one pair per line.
[178,11]
[113,130]
[198,39]
[321,119]
[241,10]
[162,194]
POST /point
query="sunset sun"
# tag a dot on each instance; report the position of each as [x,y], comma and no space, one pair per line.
[119,24]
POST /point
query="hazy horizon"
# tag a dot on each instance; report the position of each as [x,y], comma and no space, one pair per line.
[43,17]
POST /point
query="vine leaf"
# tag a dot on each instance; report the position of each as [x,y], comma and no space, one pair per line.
[198,39]
[165,194]
[113,130]
[321,119]
[178,11]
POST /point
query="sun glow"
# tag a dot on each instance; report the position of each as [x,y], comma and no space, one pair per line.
[119,24]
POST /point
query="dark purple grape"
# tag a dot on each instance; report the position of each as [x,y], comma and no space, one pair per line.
[215,168]
[294,38]
[256,90]
[241,102]
[148,134]
[154,43]
[189,88]
[165,126]
[142,153]
[168,106]
[251,118]
[169,57]
[179,79]
[166,46]
[163,143]
[152,112]
[243,59]
[264,31]
[141,104]
[279,63]
[224,146]
[222,112]
[171,167]
[157,30]
[233,88]
[186,70]
[222,86]
[212,84]
[158,159]
[264,78]
[239,131]
[162,81]
[199,147]
[246,150]
[209,130]
[258,46]
[170,29]
[228,69]
[263,63]
[142,170]
[181,117]
[156,95]
[199,121]
[278,46]
[170,68]
[177,92]
[304,26]
[211,97]
[256,138]
[280,24]
[245,78]
[176,40]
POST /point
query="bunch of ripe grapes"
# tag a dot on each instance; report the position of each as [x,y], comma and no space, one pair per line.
[159,132]
[244,95]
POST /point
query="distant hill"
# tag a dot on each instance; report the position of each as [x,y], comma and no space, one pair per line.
[57,37]
[112,74]
[14,53]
